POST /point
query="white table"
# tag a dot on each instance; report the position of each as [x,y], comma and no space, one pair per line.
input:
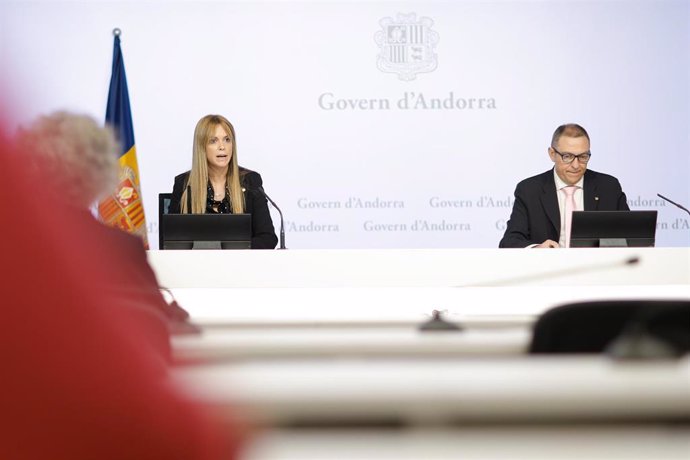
[395,306]
[550,442]
[255,343]
[421,267]
[270,317]
[421,391]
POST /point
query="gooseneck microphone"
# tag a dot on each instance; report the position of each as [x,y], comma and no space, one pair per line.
[261,190]
[189,199]
[438,323]
[588,268]
[673,202]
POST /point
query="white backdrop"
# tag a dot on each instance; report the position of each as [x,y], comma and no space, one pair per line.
[349,151]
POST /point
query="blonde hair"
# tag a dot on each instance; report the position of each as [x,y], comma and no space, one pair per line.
[198,176]
[75,154]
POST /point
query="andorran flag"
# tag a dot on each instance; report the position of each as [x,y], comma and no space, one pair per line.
[124,208]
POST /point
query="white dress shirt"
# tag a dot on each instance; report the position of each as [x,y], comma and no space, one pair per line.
[579,201]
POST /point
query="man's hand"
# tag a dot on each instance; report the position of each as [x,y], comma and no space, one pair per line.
[548,244]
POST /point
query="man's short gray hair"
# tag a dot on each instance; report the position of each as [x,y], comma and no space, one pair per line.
[568,130]
[75,153]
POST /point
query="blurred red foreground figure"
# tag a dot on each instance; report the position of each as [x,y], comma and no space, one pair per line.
[79,379]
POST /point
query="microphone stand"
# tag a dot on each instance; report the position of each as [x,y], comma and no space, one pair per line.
[673,202]
[282,223]
[634,260]
[438,323]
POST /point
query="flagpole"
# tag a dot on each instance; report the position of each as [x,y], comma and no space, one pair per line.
[124,208]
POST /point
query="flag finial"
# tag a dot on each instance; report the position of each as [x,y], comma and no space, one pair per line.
[117,32]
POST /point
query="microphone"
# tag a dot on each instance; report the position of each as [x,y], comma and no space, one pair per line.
[189,199]
[179,320]
[672,202]
[556,273]
[261,190]
[436,322]
[439,323]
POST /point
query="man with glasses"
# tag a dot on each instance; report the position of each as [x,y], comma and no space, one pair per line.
[544,203]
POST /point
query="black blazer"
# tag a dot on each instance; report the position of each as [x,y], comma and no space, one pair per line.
[263,233]
[536,217]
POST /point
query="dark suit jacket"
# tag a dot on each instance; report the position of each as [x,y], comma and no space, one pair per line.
[536,217]
[263,233]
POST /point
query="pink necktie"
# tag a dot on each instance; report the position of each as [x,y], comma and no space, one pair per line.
[569,208]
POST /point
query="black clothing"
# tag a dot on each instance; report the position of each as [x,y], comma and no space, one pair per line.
[263,233]
[536,217]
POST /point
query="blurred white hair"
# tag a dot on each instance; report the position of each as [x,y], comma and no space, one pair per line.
[75,153]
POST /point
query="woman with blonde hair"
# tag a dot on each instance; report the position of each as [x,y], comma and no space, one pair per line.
[217,184]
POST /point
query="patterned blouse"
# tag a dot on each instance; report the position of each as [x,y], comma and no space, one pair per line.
[223,207]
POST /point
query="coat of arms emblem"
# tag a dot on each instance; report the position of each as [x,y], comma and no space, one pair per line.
[406,46]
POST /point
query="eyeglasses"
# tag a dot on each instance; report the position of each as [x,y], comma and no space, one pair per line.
[569,157]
